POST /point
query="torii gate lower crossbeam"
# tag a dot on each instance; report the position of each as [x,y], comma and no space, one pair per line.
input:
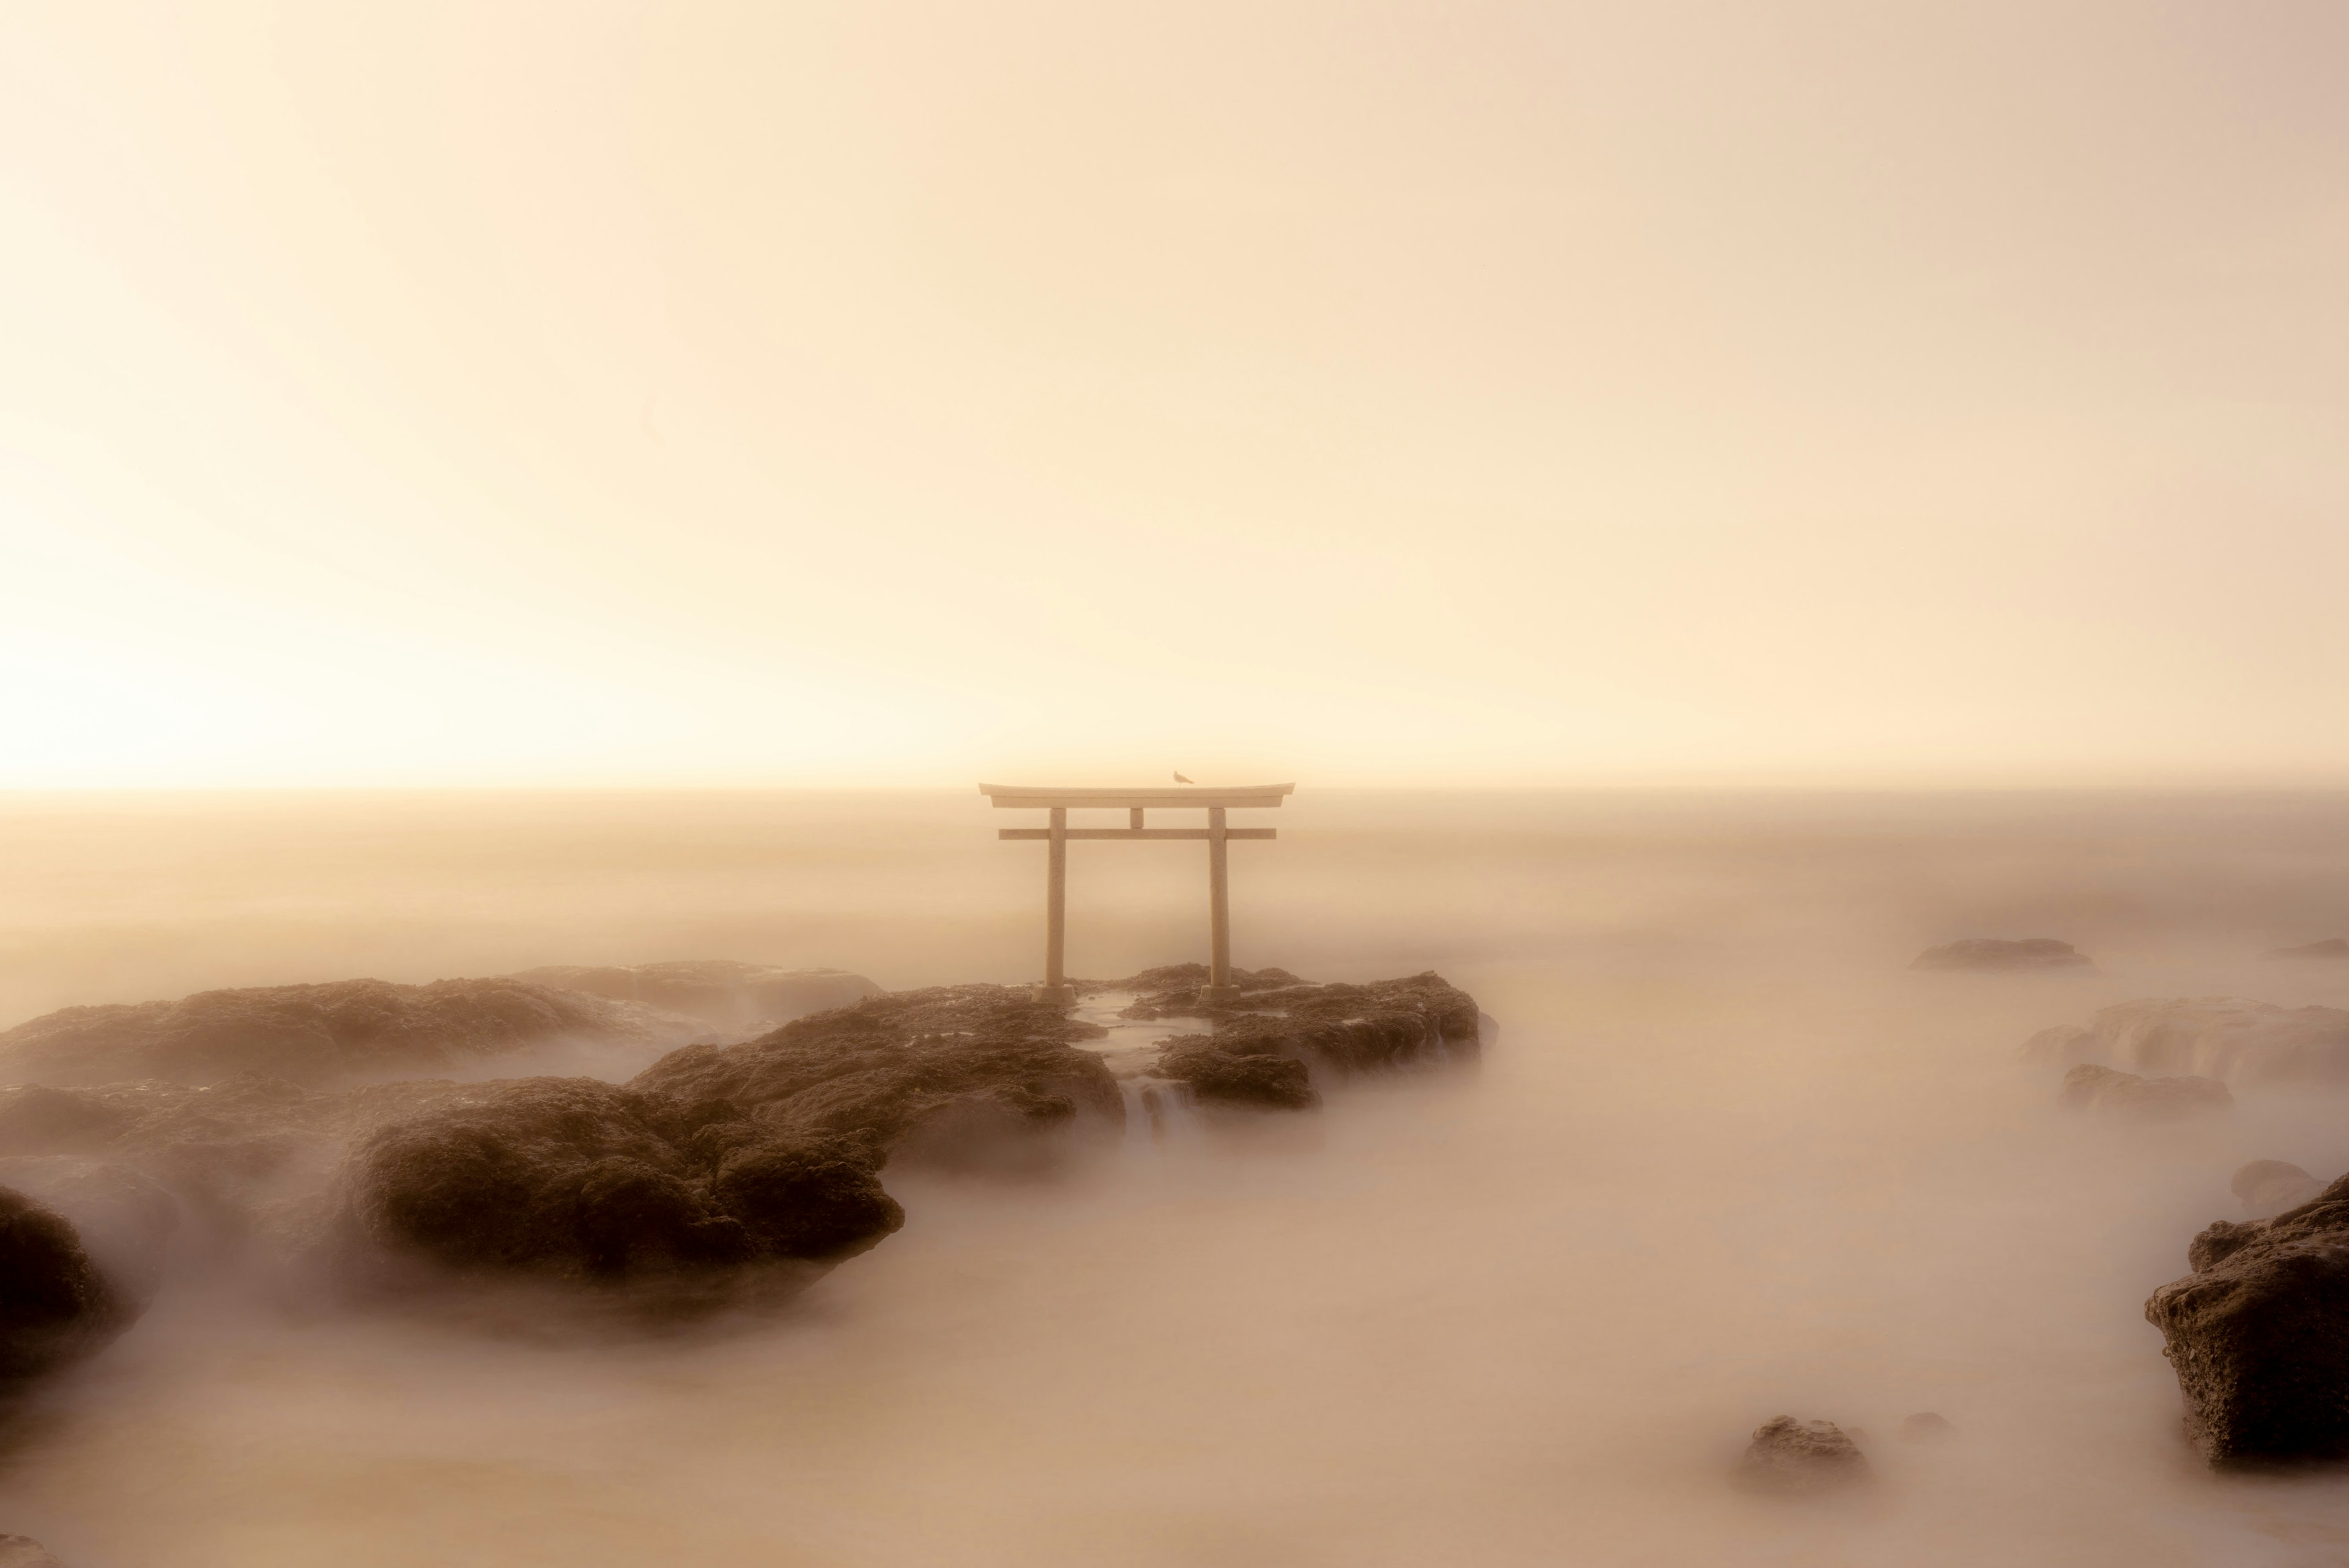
[1060,801]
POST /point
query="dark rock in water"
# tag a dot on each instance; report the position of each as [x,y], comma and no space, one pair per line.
[24,1551]
[53,1304]
[1990,952]
[2087,1087]
[720,1166]
[2329,948]
[1239,1071]
[318,1034]
[718,991]
[1927,1427]
[2222,1037]
[1797,1458]
[2267,1187]
[2259,1335]
[1258,1051]
[124,1220]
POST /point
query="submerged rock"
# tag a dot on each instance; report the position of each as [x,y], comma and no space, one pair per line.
[717,990]
[315,1035]
[1927,1427]
[2222,1037]
[24,1551]
[2088,1087]
[2259,1335]
[1992,952]
[2329,948]
[55,1305]
[2269,1187]
[1801,1457]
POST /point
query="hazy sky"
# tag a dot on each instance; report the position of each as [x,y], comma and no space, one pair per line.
[864,392]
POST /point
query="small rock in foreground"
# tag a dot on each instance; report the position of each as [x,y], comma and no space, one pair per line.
[1992,952]
[2269,1187]
[1797,1458]
[2087,1087]
[2259,1335]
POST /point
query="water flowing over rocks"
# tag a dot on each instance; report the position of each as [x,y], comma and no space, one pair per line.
[716,990]
[2228,1038]
[2259,1335]
[1791,1458]
[1261,1048]
[55,1305]
[2088,1087]
[1994,953]
[339,1032]
[716,1173]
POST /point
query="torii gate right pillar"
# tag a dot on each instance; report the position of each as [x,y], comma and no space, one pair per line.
[1219,913]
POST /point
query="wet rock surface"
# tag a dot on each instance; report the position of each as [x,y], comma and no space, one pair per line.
[1791,1458]
[337,1031]
[722,1159]
[716,990]
[2259,1335]
[2088,1087]
[2267,1187]
[124,1220]
[2228,1038]
[55,1305]
[1995,953]
[1259,1046]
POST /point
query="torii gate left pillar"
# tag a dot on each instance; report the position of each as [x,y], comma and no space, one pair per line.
[1060,801]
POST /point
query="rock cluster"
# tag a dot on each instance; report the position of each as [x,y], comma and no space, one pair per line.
[716,990]
[341,1032]
[1788,1456]
[1262,1046]
[1993,953]
[2259,1335]
[2228,1038]
[2087,1087]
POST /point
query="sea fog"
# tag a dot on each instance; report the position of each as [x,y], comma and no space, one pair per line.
[1726,1158]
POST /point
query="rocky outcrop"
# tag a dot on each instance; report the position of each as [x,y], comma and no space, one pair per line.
[2259,1335]
[716,990]
[2267,1187]
[2088,1087]
[342,1032]
[720,1168]
[1992,953]
[2228,1038]
[55,1305]
[1791,1458]
[1260,1045]
[2329,948]
[124,1220]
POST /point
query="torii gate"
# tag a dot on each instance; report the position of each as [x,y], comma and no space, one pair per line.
[1191,797]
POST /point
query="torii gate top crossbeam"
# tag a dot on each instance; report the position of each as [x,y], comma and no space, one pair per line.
[1177,796]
